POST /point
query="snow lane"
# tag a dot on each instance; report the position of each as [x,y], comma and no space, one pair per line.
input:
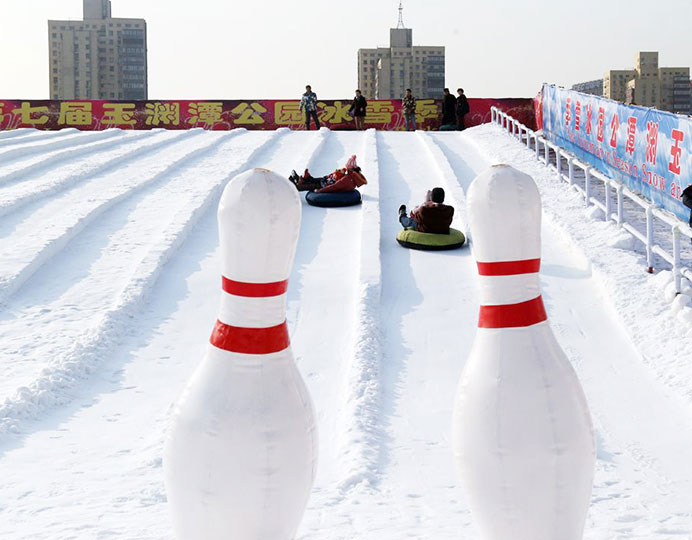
[644,433]
[22,135]
[26,245]
[23,169]
[73,139]
[643,481]
[129,397]
[86,277]
[429,312]
[323,329]
[37,186]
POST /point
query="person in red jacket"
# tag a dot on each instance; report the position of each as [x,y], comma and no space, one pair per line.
[433,216]
[348,178]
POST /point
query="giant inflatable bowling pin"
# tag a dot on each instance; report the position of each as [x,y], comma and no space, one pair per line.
[522,432]
[240,458]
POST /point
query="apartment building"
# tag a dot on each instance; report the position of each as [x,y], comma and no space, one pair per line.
[648,85]
[386,72]
[100,57]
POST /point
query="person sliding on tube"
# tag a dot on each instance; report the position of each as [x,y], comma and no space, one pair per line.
[433,216]
[347,179]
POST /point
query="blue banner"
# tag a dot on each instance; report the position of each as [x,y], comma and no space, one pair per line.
[647,149]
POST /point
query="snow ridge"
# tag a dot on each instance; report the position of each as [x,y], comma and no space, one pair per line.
[64,142]
[361,438]
[55,384]
[53,186]
[116,138]
[15,277]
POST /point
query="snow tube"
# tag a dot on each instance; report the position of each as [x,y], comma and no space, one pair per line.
[333,199]
[429,241]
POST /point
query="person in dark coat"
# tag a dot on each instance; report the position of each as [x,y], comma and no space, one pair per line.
[433,216]
[357,110]
[687,201]
[449,107]
[462,109]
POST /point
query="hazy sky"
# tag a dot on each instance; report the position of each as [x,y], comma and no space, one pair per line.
[226,49]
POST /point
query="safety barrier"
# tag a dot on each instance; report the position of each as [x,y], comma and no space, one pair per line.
[651,210]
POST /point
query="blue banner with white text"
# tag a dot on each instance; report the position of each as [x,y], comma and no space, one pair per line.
[647,149]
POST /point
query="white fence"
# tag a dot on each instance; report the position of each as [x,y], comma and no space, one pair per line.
[651,211]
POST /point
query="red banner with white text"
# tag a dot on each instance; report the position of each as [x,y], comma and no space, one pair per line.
[384,114]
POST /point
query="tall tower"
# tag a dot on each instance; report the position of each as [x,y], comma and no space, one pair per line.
[386,72]
[400,24]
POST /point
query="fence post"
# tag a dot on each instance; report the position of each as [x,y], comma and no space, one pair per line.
[547,152]
[558,163]
[676,260]
[493,115]
[649,239]
[587,186]
[620,205]
[538,150]
[570,166]
[608,203]
[528,139]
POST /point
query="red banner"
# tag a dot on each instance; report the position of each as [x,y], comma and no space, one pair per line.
[384,114]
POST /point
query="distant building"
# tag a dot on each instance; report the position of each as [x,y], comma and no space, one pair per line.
[594,88]
[100,57]
[386,72]
[664,88]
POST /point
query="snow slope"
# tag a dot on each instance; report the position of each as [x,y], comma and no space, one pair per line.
[109,285]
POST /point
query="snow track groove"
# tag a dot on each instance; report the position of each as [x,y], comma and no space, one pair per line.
[48,230]
[55,383]
[15,197]
[71,140]
[23,170]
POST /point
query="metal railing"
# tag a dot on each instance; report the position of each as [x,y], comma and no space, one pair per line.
[652,211]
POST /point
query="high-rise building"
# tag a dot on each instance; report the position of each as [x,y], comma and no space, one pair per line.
[100,57]
[386,72]
[649,85]
[595,88]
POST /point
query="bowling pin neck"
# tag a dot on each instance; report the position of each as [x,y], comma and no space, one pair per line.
[252,317]
[510,294]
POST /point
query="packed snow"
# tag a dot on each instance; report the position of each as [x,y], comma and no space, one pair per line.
[109,286]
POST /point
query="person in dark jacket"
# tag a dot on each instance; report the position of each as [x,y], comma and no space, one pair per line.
[462,109]
[449,108]
[687,201]
[357,110]
[409,105]
[308,103]
[433,216]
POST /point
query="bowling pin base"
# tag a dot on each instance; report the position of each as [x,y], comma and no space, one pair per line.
[523,438]
[241,455]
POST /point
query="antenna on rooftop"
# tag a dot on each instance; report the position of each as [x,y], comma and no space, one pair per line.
[400,24]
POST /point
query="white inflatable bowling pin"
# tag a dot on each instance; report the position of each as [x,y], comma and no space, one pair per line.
[522,432]
[241,454]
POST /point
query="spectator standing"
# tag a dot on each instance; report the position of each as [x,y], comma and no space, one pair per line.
[462,109]
[449,108]
[357,110]
[308,103]
[409,104]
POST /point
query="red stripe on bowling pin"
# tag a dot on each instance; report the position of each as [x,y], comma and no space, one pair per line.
[254,290]
[251,340]
[511,315]
[509,268]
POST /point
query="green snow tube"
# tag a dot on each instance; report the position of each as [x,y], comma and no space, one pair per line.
[429,241]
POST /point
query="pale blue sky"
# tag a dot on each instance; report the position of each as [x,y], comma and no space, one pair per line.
[230,49]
